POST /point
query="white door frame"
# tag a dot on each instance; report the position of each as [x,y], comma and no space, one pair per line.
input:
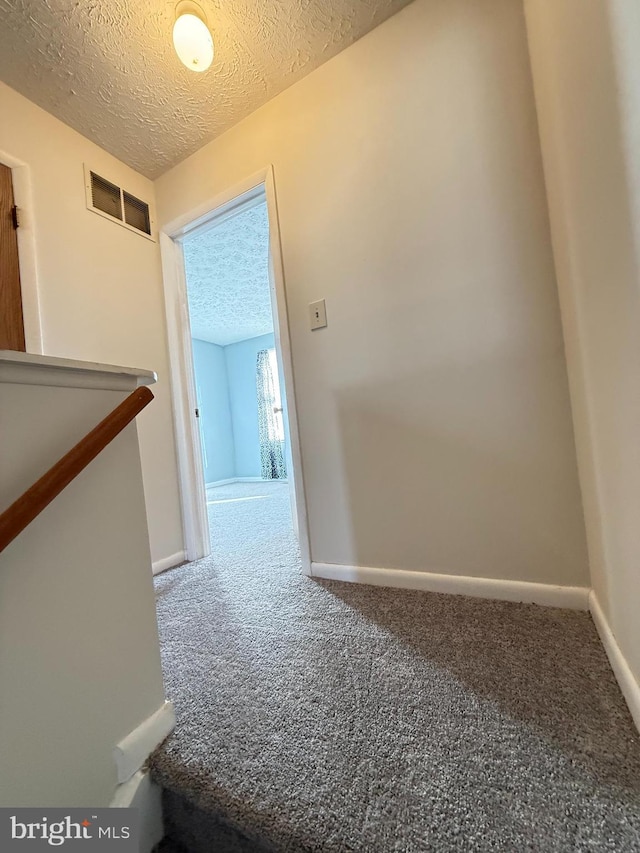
[193,496]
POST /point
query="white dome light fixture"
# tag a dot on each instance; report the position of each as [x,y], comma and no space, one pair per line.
[191,37]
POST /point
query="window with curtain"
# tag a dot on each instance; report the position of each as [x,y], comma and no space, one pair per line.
[270,421]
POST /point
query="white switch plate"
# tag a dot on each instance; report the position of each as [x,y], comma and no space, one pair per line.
[318,314]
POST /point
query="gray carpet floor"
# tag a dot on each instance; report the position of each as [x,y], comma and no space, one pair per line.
[325,717]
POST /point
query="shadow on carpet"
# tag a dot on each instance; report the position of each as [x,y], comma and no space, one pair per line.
[323,717]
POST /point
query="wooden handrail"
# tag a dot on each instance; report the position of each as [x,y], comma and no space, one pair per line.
[22,512]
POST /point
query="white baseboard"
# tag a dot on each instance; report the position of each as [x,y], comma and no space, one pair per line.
[574,597]
[141,793]
[168,562]
[625,678]
[243,480]
[261,480]
[132,752]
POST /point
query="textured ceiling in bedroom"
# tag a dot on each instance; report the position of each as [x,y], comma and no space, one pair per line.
[227,271]
[108,69]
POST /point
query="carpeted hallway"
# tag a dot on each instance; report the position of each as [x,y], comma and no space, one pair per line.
[319,716]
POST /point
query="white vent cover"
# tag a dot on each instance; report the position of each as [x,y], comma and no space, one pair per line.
[118,205]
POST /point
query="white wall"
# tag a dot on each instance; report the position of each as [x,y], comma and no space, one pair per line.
[586,69]
[100,285]
[434,412]
[79,653]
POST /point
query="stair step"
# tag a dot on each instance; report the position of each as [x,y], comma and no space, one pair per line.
[189,829]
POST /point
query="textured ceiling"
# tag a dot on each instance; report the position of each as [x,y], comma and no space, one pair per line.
[108,68]
[228,279]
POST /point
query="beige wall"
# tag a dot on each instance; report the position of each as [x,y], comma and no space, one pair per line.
[434,411]
[100,285]
[587,79]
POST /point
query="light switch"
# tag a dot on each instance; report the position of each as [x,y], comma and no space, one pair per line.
[318,314]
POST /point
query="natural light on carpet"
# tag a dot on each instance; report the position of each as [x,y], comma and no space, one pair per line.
[236,500]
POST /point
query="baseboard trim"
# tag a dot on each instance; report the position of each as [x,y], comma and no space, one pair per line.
[243,480]
[573,597]
[132,752]
[168,562]
[621,669]
[261,480]
[141,793]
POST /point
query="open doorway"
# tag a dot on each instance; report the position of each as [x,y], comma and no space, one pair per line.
[240,398]
[234,400]
[20,327]
[11,317]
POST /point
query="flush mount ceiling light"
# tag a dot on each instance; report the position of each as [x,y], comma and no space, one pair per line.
[191,37]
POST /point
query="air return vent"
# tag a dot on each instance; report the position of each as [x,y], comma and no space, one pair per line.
[112,202]
[105,196]
[136,213]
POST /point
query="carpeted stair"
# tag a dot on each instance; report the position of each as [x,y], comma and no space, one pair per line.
[326,717]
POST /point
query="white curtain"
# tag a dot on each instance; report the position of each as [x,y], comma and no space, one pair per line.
[270,423]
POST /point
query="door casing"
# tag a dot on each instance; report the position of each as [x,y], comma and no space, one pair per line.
[257,187]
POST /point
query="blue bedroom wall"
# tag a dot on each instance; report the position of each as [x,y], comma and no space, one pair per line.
[216,428]
[241,376]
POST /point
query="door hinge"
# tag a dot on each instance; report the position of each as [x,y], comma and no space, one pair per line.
[15,216]
[197,413]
